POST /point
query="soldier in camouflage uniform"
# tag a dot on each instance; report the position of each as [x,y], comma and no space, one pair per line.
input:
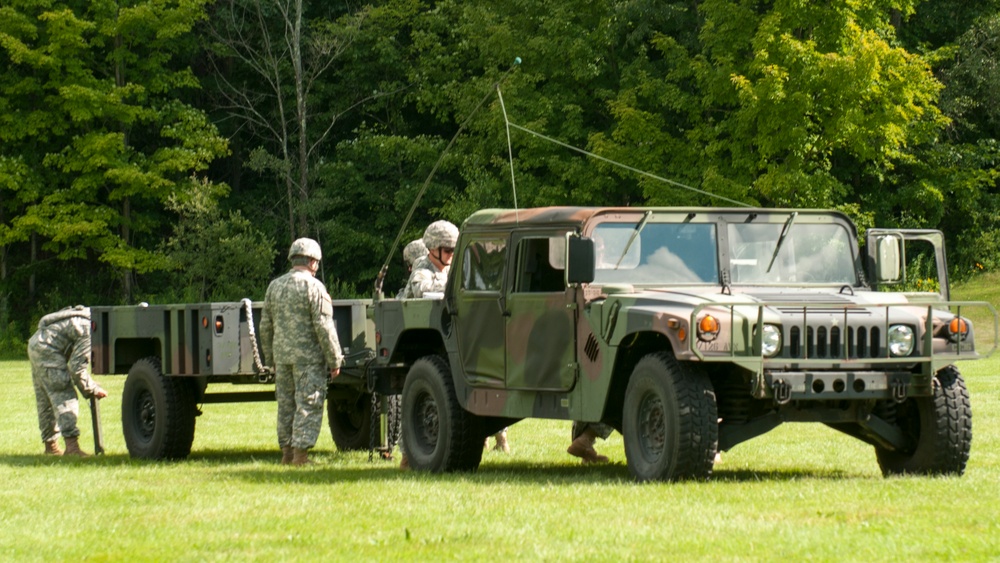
[414,251]
[60,354]
[299,339]
[430,273]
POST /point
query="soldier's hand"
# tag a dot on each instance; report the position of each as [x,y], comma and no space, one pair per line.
[334,373]
[100,393]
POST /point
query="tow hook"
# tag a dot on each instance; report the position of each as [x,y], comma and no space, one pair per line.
[898,387]
[782,391]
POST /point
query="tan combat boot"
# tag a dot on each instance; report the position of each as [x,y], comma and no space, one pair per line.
[502,444]
[73,447]
[52,448]
[301,457]
[287,454]
[583,448]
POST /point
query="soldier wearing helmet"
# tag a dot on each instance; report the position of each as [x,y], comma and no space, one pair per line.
[412,252]
[299,340]
[430,274]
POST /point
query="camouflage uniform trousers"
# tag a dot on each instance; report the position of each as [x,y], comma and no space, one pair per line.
[300,391]
[57,402]
[600,429]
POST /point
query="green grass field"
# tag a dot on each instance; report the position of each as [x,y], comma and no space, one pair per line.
[801,492]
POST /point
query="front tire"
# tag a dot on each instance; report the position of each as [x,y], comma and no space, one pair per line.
[438,434]
[670,421]
[939,428]
[158,413]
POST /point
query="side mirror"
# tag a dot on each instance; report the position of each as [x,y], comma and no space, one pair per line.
[580,263]
[888,267]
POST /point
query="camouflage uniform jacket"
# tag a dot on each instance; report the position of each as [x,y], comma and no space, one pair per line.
[425,277]
[62,341]
[296,325]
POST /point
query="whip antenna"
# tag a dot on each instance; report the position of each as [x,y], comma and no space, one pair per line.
[510,152]
[385,267]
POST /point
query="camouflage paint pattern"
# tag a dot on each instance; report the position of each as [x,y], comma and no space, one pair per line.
[300,391]
[60,354]
[557,354]
[425,277]
[296,326]
[299,339]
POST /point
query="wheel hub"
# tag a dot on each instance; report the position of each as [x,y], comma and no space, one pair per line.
[147,414]
[652,426]
[428,421]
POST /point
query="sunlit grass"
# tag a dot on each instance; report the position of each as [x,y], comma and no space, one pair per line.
[802,491]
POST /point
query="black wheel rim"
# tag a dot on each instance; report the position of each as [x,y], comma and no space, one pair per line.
[427,421]
[652,427]
[145,410]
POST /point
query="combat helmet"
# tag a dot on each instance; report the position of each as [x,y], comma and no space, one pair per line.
[414,251]
[440,234]
[305,247]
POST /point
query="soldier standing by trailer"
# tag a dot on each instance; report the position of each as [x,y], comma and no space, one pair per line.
[60,354]
[299,339]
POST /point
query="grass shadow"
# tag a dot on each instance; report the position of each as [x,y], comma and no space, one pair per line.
[262,465]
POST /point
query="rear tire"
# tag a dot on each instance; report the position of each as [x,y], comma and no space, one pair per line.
[670,421]
[438,434]
[351,421]
[158,413]
[939,428]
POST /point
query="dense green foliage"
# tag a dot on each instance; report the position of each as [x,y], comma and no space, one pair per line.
[145,142]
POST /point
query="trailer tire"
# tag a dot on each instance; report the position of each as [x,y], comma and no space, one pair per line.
[158,413]
[670,421]
[939,426]
[351,421]
[438,434]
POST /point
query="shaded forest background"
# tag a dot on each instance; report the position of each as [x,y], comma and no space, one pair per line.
[170,150]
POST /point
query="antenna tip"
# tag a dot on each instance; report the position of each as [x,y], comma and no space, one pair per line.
[517,60]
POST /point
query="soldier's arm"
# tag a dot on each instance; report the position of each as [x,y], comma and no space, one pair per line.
[326,332]
[267,332]
[79,360]
[420,281]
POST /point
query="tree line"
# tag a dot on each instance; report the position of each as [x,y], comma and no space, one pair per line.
[170,150]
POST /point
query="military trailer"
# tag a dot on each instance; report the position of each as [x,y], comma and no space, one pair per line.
[177,356]
[688,330]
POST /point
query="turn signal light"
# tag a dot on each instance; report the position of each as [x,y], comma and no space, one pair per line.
[708,328]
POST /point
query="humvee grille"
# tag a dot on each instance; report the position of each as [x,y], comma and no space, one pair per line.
[822,342]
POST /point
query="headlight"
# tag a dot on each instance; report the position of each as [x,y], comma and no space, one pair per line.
[771,341]
[900,340]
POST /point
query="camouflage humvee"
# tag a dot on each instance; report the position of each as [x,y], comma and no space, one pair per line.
[688,330]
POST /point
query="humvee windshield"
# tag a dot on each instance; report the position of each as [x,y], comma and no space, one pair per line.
[810,253]
[688,253]
[664,253]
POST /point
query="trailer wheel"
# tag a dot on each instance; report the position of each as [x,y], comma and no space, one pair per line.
[670,421]
[351,421]
[438,434]
[158,413]
[939,428]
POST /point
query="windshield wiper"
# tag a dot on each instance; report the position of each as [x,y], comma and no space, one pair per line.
[781,239]
[635,233]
